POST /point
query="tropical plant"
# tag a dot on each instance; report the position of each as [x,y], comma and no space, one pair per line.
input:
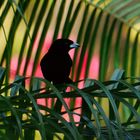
[108,32]
[22,117]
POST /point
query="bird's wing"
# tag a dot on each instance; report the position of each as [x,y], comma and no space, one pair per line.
[56,68]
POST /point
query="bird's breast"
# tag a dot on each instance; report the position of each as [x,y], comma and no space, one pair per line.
[56,68]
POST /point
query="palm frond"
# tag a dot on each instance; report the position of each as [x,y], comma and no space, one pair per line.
[21,112]
[108,33]
[104,30]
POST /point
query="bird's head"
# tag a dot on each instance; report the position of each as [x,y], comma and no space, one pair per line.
[63,45]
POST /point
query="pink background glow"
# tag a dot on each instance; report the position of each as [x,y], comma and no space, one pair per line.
[93,72]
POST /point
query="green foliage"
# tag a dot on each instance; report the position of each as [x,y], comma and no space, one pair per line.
[21,116]
[107,29]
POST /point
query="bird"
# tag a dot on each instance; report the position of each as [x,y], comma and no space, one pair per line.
[56,63]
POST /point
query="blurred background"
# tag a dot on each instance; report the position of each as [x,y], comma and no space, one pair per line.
[106,37]
[107,31]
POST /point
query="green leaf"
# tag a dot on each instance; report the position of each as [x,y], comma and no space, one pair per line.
[2,74]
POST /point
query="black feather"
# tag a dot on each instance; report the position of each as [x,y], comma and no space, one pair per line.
[56,64]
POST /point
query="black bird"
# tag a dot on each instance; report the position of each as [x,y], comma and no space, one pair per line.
[56,64]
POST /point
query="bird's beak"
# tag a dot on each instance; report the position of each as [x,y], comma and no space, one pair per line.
[74,45]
